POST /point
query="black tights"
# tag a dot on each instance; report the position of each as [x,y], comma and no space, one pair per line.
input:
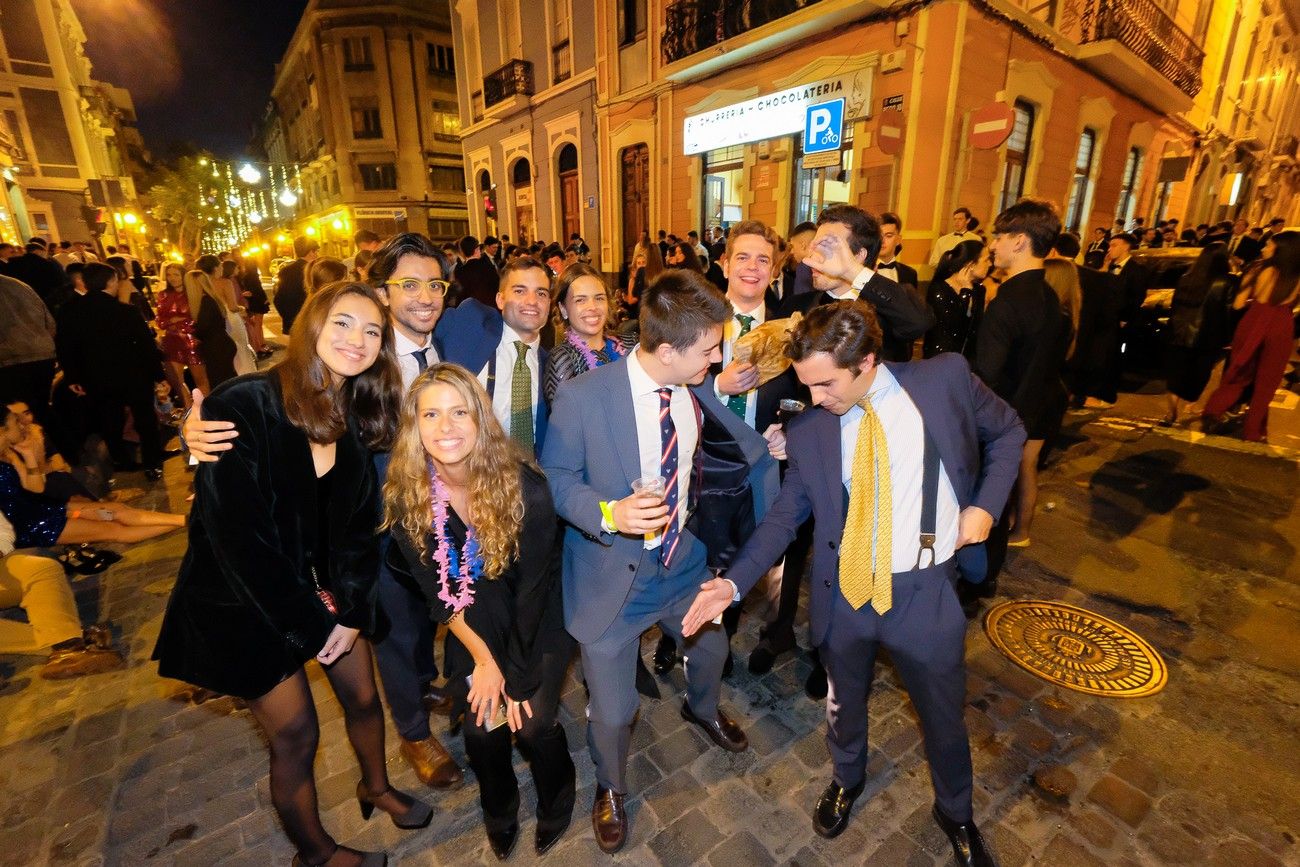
[287,715]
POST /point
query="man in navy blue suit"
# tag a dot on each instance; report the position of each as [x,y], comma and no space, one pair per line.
[504,348]
[938,453]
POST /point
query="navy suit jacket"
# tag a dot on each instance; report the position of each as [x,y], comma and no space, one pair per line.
[979,438]
[468,334]
[592,455]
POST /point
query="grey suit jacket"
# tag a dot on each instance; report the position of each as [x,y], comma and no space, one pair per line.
[979,438]
[591,454]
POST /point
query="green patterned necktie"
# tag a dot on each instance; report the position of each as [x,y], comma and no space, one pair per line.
[736,403]
[521,399]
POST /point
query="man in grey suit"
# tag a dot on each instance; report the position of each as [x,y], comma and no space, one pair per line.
[903,467]
[630,560]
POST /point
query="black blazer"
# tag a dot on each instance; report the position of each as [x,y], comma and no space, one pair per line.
[1133,280]
[906,274]
[290,292]
[904,315]
[244,614]
[105,345]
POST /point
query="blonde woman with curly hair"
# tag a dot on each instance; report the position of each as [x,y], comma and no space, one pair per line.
[474,528]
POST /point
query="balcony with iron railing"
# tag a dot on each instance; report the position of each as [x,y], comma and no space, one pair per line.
[511,84]
[1123,40]
[702,36]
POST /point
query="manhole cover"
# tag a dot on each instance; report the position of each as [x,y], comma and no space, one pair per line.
[1076,649]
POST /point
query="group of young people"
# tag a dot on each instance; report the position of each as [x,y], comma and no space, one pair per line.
[411,466]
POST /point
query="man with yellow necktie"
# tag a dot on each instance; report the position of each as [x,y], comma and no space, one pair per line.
[903,466]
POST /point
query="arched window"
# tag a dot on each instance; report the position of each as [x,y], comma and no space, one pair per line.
[569,193]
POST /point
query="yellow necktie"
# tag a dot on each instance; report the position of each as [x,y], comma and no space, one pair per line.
[867,547]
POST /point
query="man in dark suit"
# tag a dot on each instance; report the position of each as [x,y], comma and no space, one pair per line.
[1132,281]
[887,265]
[46,276]
[901,466]
[1241,246]
[291,282]
[476,276]
[631,560]
[1098,326]
[503,346]
[840,261]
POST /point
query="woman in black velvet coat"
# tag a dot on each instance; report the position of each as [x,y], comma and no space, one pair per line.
[284,554]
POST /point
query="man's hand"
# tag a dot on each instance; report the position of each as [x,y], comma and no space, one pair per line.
[77,390]
[832,257]
[775,437]
[737,378]
[206,440]
[973,525]
[714,597]
[638,515]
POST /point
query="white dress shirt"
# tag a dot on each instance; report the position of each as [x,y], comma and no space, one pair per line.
[731,333]
[645,405]
[505,364]
[406,362]
[855,288]
[888,269]
[905,438]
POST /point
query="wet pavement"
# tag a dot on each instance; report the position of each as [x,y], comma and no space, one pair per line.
[1191,544]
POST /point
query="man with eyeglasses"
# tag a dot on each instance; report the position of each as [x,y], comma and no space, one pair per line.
[409,273]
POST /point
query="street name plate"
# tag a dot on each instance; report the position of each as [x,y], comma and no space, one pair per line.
[1077,649]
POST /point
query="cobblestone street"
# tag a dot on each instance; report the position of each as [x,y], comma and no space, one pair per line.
[1191,546]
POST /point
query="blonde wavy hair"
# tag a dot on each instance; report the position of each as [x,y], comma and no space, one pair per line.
[496,500]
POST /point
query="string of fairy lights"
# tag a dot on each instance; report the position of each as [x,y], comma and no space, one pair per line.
[241,198]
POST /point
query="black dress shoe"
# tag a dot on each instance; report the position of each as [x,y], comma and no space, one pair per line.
[609,820]
[544,839]
[831,816]
[728,666]
[767,652]
[645,682]
[967,843]
[153,474]
[815,685]
[503,842]
[722,731]
[436,700]
[665,655]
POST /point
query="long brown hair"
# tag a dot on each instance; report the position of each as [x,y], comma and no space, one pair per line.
[370,398]
[496,499]
[560,291]
[1063,277]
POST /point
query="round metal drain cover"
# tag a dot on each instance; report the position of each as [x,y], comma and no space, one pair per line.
[1075,648]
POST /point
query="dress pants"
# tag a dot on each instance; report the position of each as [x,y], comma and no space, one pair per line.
[609,662]
[542,742]
[405,655]
[110,411]
[925,634]
[39,585]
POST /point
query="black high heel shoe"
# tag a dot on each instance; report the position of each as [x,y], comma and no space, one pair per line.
[365,859]
[417,814]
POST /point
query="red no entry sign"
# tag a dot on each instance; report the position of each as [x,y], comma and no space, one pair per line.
[990,125]
[890,131]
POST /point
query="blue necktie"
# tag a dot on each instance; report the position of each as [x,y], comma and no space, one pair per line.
[668,469]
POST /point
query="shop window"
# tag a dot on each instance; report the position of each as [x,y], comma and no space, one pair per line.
[365,118]
[1079,185]
[722,196]
[521,180]
[378,176]
[356,53]
[1127,203]
[817,189]
[1016,160]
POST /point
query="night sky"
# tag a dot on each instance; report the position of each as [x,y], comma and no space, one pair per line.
[198,70]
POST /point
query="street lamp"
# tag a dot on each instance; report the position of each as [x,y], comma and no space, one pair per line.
[288,198]
[255,218]
[248,174]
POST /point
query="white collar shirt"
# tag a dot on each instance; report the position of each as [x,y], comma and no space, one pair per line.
[406,363]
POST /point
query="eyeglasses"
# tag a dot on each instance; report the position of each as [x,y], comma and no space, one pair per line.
[410,285]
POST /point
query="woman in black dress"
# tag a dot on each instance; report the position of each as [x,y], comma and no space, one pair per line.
[476,534]
[209,310]
[583,310]
[1198,328]
[956,296]
[283,558]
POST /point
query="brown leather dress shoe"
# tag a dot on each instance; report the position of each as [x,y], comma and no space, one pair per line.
[722,730]
[432,763]
[76,658]
[609,820]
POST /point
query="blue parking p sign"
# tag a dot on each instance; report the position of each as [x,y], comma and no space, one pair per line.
[822,126]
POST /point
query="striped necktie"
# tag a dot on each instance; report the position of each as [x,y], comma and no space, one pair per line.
[867,546]
[668,469]
[737,402]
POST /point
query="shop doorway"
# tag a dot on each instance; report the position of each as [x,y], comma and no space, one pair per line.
[724,171]
[521,180]
[570,198]
[636,196]
[487,193]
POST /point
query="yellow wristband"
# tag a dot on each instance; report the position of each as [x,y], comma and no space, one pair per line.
[607,512]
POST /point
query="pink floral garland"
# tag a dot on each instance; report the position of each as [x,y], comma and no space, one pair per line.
[465,570]
[588,354]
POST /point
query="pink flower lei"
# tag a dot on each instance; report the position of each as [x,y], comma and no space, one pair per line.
[587,353]
[463,570]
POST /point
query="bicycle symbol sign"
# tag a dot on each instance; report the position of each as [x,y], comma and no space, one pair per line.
[823,126]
